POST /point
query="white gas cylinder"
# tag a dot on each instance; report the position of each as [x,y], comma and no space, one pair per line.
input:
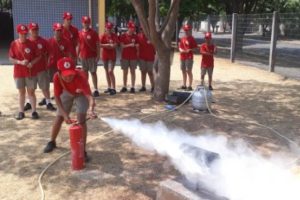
[202,98]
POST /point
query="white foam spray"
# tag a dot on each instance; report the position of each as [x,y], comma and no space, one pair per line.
[239,174]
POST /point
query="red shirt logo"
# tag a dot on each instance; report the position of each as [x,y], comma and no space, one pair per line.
[27,50]
[61,47]
[40,46]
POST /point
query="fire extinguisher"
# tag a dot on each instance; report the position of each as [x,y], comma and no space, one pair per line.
[77,146]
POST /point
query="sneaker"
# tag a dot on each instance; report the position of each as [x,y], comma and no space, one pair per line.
[35,115]
[152,90]
[189,88]
[124,89]
[132,90]
[143,89]
[43,102]
[210,87]
[182,87]
[96,93]
[107,90]
[27,107]
[20,116]
[112,92]
[50,147]
[50,107]
[86,157]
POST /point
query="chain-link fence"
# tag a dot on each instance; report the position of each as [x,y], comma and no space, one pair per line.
[253,37]
[251,42]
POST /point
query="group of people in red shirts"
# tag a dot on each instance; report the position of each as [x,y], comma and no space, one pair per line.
[187,46]
[35,58]
[38,61]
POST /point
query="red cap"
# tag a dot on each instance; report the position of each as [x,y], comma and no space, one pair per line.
[57,27]
[207,35]
[86,20]
[109,25]
[33,26]
[68,15]
[187,27]
[130,25]
[22,29]
[66,66]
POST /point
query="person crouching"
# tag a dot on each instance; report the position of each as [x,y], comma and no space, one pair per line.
[70,86]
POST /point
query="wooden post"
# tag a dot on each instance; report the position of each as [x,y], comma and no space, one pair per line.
[233,37]
[101,16]
[272,58]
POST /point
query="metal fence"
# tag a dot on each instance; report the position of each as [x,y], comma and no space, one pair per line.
[250,38]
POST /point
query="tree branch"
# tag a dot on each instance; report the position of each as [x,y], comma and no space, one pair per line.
[169,28]
[157,15]
[139,9]
[167,18]
[155,37]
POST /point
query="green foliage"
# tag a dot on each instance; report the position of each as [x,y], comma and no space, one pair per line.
[5,4]
[120,8]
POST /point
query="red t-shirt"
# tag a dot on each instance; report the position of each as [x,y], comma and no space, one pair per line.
[43,50]
[129,53]
[80,81]
[88,41]
[146,49]
[207,60]
[21,51]
[72,35]
[59,49]
[108,53]
[186,43]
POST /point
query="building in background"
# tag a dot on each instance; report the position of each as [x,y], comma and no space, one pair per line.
[47,12]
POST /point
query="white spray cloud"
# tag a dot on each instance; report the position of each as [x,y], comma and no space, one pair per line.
[239,174]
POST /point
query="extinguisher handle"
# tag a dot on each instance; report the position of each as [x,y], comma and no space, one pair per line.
[71,121]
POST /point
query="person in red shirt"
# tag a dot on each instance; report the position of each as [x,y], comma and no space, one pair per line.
[23,54]
[109,42]
[89,51]
[130,48]
[69,31]
[59,47]
[71,87]
[207,49]
[187,45]
[146,60]
[43,79]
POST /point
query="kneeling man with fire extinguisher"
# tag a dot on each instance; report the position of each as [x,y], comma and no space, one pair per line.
[71,87]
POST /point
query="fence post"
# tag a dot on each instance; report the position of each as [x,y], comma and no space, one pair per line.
[177,32]
[90,11]
[274,36]
[208,23]
[233,37]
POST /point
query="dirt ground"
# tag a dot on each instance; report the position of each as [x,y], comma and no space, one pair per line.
[121,171]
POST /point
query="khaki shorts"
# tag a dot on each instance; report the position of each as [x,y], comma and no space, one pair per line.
[43,80]
[51,71]
[67,99]
[125,64]
[209,70]
[146,65]
[30,83]
[186,64]
[89,64]
[109,64]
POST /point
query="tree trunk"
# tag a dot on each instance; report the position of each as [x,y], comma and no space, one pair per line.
[162,76]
